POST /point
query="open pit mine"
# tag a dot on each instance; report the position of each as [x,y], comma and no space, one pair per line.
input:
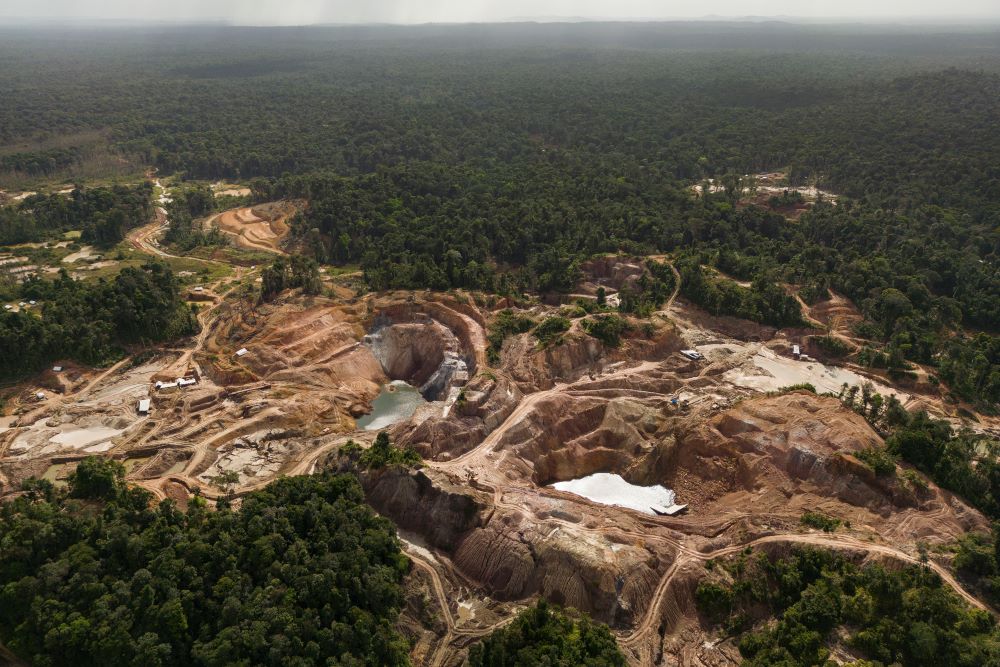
[676,459]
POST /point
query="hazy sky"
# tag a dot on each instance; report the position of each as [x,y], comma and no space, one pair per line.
[297,12]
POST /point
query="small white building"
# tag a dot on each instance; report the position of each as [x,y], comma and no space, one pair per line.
[144,406]
[57,369]
[165,386]
[186,382]
[796,352]
[241,352]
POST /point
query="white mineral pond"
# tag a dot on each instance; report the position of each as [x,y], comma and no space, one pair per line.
[609,489]
[396,402]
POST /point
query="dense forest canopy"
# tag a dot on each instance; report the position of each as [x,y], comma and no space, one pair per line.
[888,616]
[93,322]
[269,101]
[545,635]
[304,573]
[103,215]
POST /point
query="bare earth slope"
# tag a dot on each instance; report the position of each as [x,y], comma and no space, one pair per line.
[481,521]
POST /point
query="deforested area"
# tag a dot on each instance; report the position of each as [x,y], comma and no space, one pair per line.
[558,342]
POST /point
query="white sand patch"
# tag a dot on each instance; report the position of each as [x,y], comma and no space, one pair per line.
[164,198]
[413,542]
[768,371]
[86,252]
[611,489]
[466,611]
[233,192]
[82,437]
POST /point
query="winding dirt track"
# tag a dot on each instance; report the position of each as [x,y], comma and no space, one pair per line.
[645,633]
[144,239]
[651,619]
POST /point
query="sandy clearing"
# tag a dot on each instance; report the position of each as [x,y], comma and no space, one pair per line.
[233,192]
[84,253]
[81,437]
[768,371]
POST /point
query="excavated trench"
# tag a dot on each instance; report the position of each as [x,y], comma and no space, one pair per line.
[421,352]
[566,437]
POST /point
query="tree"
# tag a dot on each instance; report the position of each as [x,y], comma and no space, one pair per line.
[382,453]
[97,478]
[544,635]
[305,573]
[226,482]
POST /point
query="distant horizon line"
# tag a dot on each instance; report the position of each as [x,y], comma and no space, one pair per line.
[972,20]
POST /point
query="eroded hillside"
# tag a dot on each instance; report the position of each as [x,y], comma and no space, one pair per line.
[278,388]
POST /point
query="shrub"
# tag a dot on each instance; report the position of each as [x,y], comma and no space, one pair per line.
[544,635]
[607,328]
[97,478]
[383,453]
[976,555]
[507,323]
[796,387]
[878,459]
[827,524]
[551,330]
[831,345]
[714,600]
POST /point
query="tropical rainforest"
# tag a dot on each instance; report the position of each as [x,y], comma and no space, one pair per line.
[904,617]
[500,157]
[304,573]
[497,158]
[93,321]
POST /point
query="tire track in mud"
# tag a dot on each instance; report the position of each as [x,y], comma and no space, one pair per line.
[453,632]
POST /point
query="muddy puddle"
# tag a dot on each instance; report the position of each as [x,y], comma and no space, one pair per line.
[396,402]
[611,489]
[132,464]
[57,474]
[176,468]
